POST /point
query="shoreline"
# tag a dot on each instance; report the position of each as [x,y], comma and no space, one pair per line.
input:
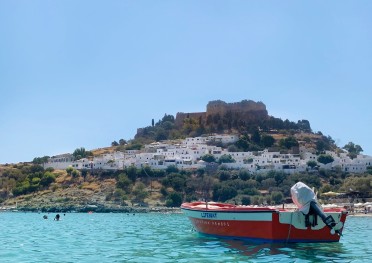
[360,214]
[93,209]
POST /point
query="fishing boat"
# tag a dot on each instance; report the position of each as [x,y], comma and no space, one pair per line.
[307,223]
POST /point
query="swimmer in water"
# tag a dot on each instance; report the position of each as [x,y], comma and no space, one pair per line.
[57,217]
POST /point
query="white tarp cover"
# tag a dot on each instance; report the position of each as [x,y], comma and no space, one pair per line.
[302,195]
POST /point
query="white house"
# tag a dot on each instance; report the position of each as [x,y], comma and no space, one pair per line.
[187,154]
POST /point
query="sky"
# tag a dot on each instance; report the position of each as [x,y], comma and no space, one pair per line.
[86,73]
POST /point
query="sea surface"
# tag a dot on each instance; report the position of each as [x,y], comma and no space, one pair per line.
[78,237]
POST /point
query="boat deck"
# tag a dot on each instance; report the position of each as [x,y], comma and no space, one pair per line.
[221,207]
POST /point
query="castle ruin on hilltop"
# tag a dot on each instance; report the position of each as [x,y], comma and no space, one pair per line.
[247,110]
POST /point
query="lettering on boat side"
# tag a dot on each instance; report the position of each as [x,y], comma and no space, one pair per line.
[211,222]
[208,215]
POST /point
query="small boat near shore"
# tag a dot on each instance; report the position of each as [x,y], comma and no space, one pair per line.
[309,223]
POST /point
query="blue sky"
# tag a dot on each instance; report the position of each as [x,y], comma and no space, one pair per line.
[85,73]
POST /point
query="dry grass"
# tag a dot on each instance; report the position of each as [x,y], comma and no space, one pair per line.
[59,172]
[109,181]
[278,137]
[154,199]
[104,150]
[91,186]
[44,192]
[63,178]
[156,185]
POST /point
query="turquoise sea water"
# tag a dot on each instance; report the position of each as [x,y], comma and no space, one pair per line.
[27,237]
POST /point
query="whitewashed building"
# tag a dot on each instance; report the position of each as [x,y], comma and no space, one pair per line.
[187,154]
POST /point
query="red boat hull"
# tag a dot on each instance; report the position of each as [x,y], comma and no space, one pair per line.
[260,224]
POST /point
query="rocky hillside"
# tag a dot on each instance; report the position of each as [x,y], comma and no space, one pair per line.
[29,186]
[250,120]
[72,193]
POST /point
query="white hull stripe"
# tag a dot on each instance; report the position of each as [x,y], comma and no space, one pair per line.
[241,216]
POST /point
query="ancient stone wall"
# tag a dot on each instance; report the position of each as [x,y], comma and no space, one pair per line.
[245,106]
[248,110]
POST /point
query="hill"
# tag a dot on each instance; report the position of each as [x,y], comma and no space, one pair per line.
[250,120]
[31,187]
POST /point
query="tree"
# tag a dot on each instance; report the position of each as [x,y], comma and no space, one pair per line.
[224,175]
[248,161]
[69,170]
[47,179]
[36,168]
[80,153]
[304,125]
[40,160]
[209,158]
[320,146]
[174,200]
[122,142]
[226,158]
[267,140]
[246,200]
[200,171]
[140,193]
[353,149]
[205,186]
[279,176]
[288,142]
[361,184]
[172,169]
[224,192]
[84,173]
[131,172]
[312,164]
[124,183]
[232,148]
[161,134]
[114,143]
[176,181]
[244,174]
[325,158]
[167,125]
[49,169]
[169,118]
[256,137]
[119,195]
[277,197]
[267,183]
[243,143]
[75,173]
[164,191]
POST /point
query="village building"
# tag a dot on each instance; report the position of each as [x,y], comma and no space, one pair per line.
[187,153]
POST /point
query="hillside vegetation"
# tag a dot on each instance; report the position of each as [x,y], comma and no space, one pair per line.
[31,186]
[34,188]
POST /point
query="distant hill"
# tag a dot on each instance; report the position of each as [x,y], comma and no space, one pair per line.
[32,187]
[249,119]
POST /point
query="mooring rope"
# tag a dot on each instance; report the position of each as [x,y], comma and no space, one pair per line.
[290,226]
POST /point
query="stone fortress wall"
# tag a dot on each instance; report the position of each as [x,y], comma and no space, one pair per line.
[245,106]
[247,109]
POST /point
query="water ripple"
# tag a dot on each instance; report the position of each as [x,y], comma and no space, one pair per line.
[26,237]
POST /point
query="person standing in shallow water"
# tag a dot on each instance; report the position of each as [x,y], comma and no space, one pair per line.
[57,217]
